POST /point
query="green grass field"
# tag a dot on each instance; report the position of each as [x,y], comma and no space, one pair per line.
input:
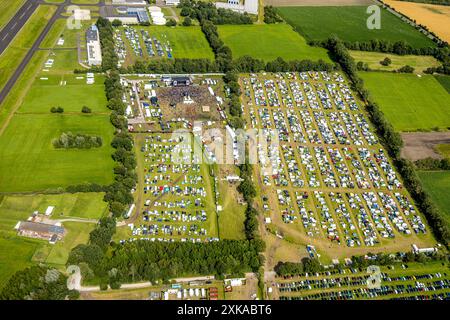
[444,150]
[232,216]
[437,184]
[67,205]
[16,51]
[30,162]
[268,42]
[419,63]
[17,253]
[186,42]
[60,29]
[45,94]
[410,103]
[77,233]
[349,24]
[8,9]
[444,81]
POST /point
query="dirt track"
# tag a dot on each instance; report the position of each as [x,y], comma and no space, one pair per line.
[317,3]
[420,145]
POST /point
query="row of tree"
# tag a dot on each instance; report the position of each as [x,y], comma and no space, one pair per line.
[433,164]
[77,141]
[223,55]
[359,262]
[201,11]
[441,53]
[118,194]
[393,143]
[106,33]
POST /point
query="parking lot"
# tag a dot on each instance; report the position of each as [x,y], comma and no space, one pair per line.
[351,283]
[332,179]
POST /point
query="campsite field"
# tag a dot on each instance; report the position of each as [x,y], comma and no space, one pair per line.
[186,42]
[268,42]
[437,184]
[311,199]
[31,163]
[419,63]
[192,213]
[18,48]
[410,103]
[435,17]
[349,24]
[7,10]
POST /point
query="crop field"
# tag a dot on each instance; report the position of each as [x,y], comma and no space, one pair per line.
[407,281]
[8,9]
[16,51]
[419,63]
[31,163]
[435,17]
[349,24]
[437,184]
[178,198]
[161,42]
[329,183]
[268,42]
[409,102]
[293,3]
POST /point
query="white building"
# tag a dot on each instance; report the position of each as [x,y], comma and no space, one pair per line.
[94,50]
[130,2]
[172,2]
[249,6]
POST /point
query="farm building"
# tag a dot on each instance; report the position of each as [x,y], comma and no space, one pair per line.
[93,46]
[249,6]
[39,230]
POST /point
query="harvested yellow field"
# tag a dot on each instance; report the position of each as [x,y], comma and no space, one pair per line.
[435,17]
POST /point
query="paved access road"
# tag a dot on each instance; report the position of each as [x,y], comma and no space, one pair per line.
[13,27]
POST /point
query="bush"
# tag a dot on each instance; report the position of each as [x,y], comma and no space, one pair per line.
[56,110]
[386,61]
[187,22]
[171,23]
[86,109]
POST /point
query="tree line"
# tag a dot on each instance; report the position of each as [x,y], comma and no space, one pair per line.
[393,143]
[79,141]
[359,262]
[441,53]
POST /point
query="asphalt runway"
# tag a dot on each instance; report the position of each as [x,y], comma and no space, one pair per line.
[16,23]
